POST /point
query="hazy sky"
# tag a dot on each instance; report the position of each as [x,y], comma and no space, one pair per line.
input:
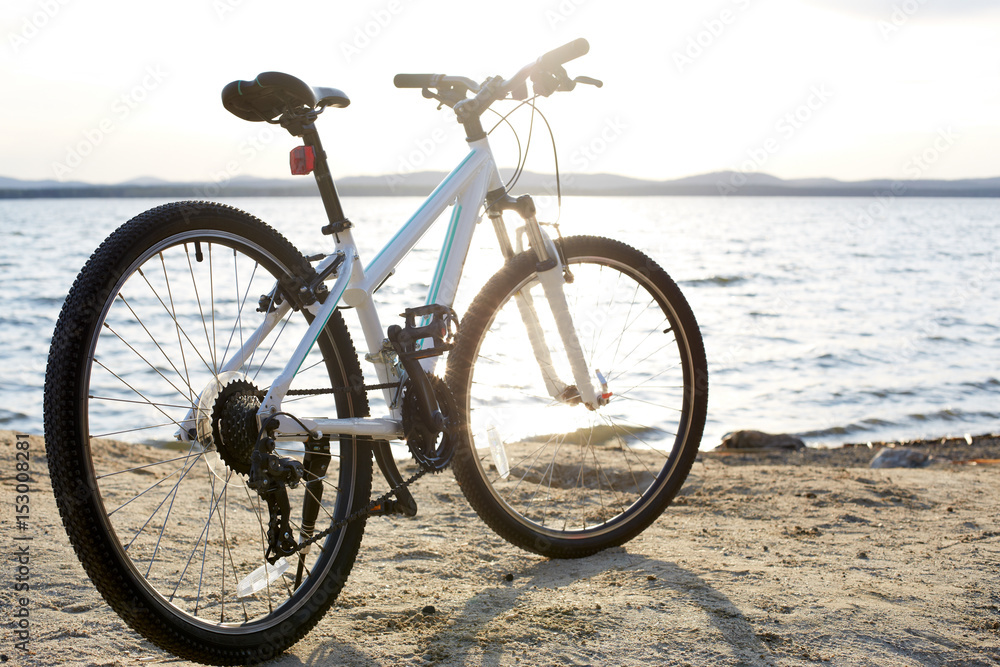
[110,90]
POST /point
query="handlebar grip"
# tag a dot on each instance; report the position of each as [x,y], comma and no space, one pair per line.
[414,80]
[565,53]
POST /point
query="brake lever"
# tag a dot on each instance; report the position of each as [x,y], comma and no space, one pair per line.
[520,91]
[547,82]
[447,96]
[589,81]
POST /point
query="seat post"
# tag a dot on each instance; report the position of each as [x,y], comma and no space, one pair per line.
[327,188]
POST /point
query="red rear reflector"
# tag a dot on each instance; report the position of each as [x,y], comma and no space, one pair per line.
[303,159]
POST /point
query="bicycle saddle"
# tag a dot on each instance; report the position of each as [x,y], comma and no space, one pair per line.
[270,94]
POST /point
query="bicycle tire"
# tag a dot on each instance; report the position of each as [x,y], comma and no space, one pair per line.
[166,534]
[578,481]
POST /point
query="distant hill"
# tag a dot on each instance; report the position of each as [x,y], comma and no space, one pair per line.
[15,184]
[722,183]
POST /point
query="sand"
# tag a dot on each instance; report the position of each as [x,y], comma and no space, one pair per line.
[767,558]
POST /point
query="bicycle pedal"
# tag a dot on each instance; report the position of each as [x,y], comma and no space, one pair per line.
[394,508]
[440,325]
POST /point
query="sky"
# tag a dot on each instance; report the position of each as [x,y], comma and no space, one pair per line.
[105,91]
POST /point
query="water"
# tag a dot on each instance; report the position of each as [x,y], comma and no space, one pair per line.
[837,319]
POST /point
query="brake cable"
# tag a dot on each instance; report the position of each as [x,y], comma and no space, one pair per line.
[522,160]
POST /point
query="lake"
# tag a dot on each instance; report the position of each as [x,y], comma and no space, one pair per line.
[836,319]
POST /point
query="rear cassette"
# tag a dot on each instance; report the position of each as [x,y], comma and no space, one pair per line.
[234,424]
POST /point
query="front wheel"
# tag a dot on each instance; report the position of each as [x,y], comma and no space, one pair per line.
[545,472]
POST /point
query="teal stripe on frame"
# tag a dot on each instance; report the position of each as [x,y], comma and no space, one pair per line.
[445,252]
[449,240]
[421,209]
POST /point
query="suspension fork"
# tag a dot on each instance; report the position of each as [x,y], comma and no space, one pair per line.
[551,275]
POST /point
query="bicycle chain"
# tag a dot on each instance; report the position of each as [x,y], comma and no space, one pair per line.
[362,513]
[342,390]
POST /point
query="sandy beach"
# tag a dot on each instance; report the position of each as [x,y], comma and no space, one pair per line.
[766,558]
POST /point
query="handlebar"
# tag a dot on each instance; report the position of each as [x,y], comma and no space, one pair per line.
[433,81]
[416,80]
[548,66]
[564,53]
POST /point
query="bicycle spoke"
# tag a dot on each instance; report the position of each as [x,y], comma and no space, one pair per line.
[641,361]
[241,303]
[141,323]
[183,473]
[178,326]
[139,393]
[610,308]
[186,457]
[147,490]
[111,399]
[197,298]
[213,507]
[203,536]
[655,405]
[624,446]
[274,341]
[627,325]
[173,316]
[651,332]
[137,429]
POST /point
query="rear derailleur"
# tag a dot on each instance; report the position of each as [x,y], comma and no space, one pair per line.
[270,476]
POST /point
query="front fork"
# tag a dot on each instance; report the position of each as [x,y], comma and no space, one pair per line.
[552,275]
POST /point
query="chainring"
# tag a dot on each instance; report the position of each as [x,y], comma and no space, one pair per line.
[431,449]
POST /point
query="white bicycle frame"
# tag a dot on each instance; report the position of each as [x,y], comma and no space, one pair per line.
[465,187]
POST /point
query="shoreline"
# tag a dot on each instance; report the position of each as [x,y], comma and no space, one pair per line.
[942,451]
[943,442]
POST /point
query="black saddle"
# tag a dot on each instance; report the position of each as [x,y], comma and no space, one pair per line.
[273,93]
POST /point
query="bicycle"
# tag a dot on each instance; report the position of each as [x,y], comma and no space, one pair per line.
[220,517]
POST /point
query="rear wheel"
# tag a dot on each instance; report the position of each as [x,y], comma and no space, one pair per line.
[168,529]
[552,476]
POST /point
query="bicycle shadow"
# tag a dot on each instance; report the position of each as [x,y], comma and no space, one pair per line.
[688,589]
[572,633]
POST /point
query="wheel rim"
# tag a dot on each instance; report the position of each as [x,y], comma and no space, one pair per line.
[188,528]
[575,473]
